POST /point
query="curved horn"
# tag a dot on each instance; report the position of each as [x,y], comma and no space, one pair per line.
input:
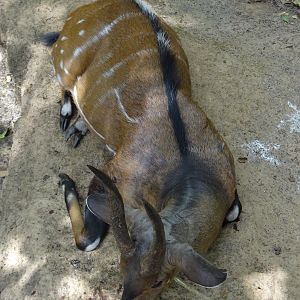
[153,261]
[118,221]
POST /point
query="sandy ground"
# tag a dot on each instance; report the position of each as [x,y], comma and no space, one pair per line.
[245,70]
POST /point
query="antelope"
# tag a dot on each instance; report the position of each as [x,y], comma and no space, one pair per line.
[171,183]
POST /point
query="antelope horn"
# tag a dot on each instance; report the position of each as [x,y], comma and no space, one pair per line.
[118,221]
[152,263]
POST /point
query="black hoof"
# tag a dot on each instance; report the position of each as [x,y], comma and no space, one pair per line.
[64,122]
[76,132]
[68,185]
[74,136]
[65,180]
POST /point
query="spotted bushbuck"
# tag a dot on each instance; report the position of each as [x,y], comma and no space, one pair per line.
[171,184]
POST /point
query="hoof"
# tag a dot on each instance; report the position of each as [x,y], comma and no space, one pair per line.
[76,132]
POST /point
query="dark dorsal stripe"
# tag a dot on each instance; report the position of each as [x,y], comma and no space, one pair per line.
[170,77]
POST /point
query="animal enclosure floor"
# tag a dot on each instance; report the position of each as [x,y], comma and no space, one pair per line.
[244,61]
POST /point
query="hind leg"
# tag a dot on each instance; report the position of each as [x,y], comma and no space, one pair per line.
[88,232]
[66,111]
[235,210]
[76,132]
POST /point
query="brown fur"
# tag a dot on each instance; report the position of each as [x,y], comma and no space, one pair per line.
[147,152]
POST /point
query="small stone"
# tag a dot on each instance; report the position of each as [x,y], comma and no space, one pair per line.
[75,263]
[51,212]
[277,250]
[235,227]
[3,173]
[242,160]
[292,178]
[8,78]
[46,177]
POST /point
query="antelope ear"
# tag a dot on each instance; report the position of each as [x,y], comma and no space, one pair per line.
[195,267]
[98,205]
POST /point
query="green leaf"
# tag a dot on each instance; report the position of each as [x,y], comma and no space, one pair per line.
[3,134]
[285,18]
[296,2]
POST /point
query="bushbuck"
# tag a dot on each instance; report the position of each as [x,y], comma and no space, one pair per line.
[171,183]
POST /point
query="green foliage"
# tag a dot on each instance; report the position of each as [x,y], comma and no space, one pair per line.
[3,134]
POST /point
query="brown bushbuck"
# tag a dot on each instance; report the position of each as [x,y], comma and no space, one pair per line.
[171,183]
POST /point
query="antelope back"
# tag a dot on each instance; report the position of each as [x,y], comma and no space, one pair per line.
[107,55]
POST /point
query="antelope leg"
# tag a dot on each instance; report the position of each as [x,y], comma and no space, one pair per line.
[88,231]
[76,132]
[66,111]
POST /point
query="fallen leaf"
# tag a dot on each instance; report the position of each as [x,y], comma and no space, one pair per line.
[3,134]
[296,2]
[285,18]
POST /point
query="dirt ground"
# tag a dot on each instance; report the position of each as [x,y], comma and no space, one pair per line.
[245,70]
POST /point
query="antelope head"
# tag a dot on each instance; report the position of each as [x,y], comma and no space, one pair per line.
[150,256]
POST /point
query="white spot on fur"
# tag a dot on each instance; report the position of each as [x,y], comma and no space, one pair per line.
[61,64]
[258,149]
[293,119]
[111,150]
[93,246]
[80,21]
[233,214]
[63,38]
[122,108]
[66,71]
[81,32]
[69,18]
[66,109]
[62,51]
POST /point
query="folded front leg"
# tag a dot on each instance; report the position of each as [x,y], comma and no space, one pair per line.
[76,132]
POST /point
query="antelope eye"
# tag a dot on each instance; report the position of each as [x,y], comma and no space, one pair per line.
[156,284]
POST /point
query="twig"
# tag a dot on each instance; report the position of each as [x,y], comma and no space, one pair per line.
[190,289]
